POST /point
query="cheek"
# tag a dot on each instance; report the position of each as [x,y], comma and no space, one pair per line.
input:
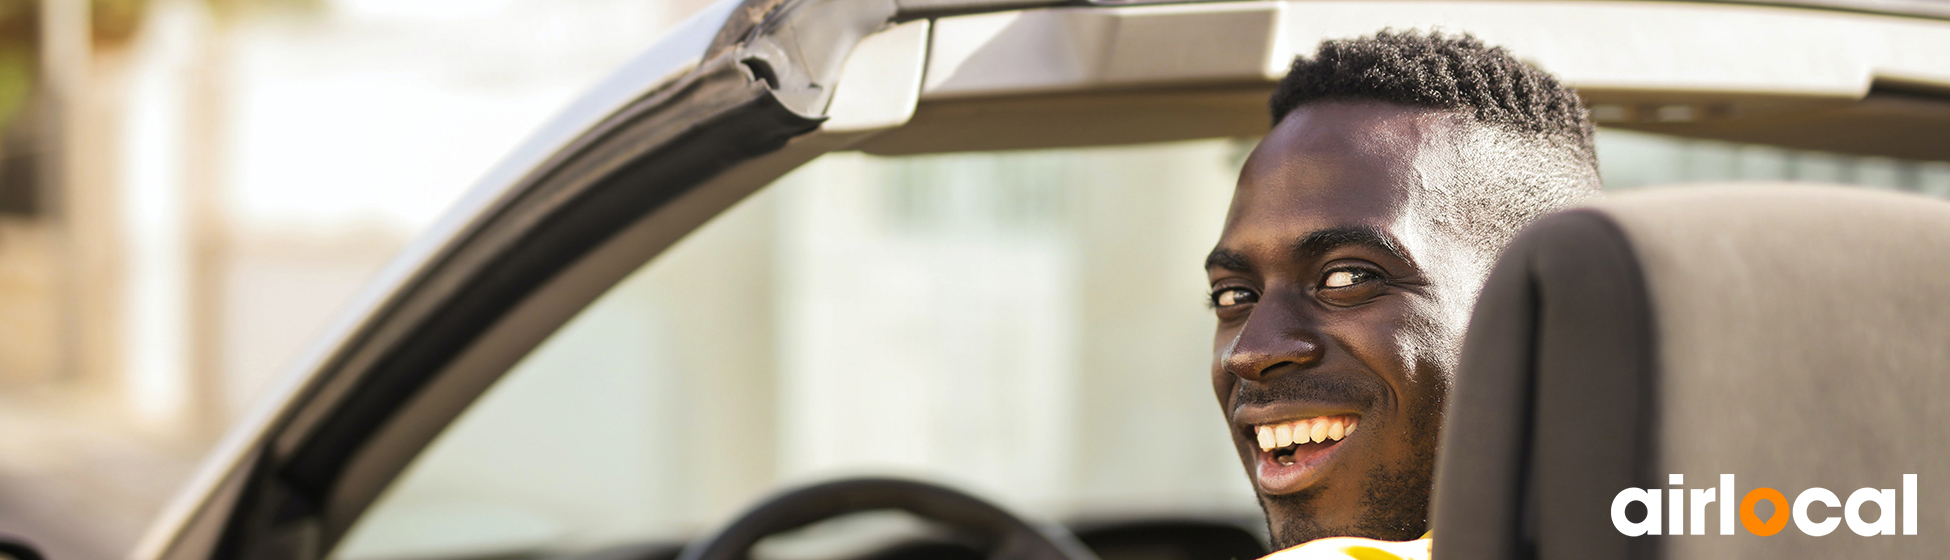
[1223,336]
[1405,341]
[1222,383]
[1222,392]
[1431,346]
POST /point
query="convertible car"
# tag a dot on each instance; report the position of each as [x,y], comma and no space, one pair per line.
[918,278]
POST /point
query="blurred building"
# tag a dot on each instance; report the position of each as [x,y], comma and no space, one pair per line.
[189,189]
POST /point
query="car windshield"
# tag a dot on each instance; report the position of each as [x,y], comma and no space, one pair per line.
[1027,325]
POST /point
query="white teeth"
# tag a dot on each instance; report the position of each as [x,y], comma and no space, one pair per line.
[1311,430]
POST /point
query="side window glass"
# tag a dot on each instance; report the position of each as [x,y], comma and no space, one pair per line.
[1025,325]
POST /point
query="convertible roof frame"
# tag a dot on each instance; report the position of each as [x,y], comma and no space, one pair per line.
[1800,78]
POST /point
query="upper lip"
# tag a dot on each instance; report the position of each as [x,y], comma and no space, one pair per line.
[1246,418]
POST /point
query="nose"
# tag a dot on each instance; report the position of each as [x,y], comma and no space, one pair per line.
[1272,339]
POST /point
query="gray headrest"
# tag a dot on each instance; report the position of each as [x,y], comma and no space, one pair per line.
[1796,337]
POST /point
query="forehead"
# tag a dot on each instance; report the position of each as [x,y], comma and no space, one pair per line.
[1344,164]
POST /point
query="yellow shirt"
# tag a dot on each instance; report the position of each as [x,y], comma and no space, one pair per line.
[1356,548]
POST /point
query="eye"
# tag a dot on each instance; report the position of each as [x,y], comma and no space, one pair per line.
[1344,277]
[1229,297]
[1350,286]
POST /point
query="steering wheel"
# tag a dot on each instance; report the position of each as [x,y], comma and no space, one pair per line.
[999,533]
[17,549]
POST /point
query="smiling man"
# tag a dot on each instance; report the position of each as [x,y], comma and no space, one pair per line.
[1361,230]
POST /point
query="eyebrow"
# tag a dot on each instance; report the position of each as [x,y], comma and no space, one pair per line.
[1321,242]
[1316,245]
[1228,259]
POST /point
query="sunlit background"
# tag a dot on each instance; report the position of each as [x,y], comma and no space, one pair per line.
[190,189]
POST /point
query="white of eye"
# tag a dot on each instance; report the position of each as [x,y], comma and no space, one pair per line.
[1229,297]
[1339,279]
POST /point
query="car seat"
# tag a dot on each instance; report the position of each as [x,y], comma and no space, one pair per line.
[1795,337]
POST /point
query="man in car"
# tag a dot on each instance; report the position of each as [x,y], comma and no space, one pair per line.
[1360,232]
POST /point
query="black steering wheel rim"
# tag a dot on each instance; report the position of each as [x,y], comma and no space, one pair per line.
[1002,535]
[18,549]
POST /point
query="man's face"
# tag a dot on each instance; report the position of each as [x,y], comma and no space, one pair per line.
[1341,304]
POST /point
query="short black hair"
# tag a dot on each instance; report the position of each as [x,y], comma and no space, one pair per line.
[1487,84]
[1438,71]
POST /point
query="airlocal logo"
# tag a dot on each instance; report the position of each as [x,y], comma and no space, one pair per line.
[1676,516]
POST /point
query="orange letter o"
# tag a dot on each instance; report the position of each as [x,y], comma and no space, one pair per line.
[1752,522]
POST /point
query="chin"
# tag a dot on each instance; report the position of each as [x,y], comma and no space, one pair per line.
[1290,520]
[1392,505]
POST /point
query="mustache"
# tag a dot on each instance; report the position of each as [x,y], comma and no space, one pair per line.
[1357,390]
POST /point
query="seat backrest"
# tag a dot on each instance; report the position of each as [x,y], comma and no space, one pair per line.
[1795,337]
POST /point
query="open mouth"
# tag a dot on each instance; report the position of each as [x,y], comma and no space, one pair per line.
[1291,453]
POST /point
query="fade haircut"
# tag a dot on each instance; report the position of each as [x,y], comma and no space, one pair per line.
[1544,120]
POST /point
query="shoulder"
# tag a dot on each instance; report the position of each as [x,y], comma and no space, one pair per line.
[1355,548]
